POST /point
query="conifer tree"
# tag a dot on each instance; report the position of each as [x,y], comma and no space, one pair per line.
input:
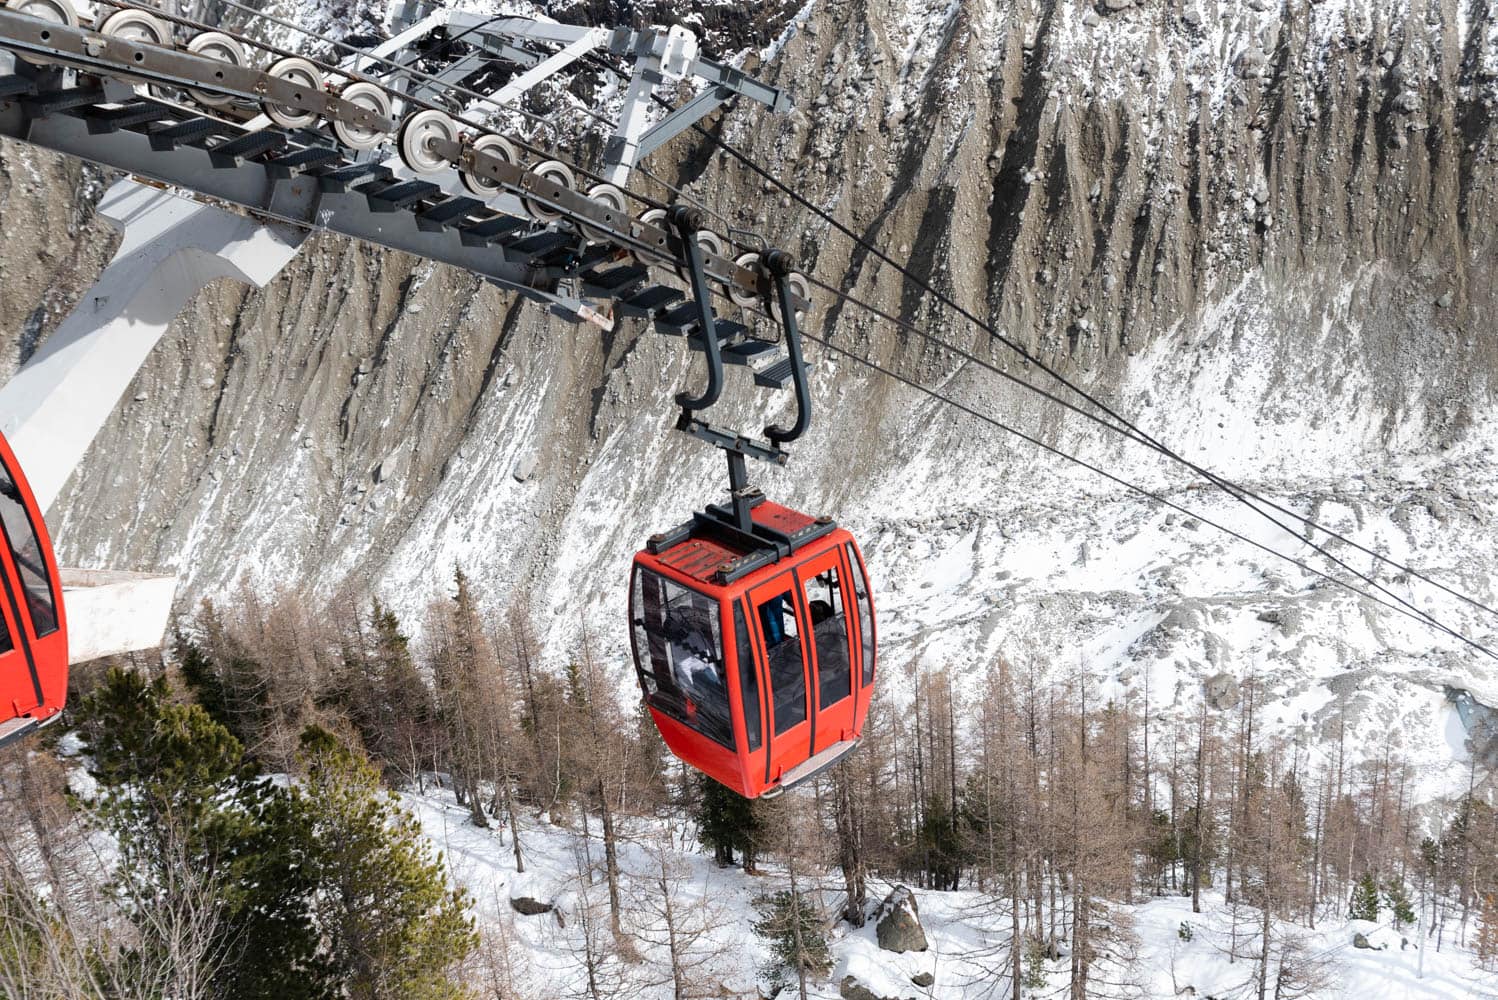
[727,822]
[1365,898]
[789,922]
[1397,898]
[392,927]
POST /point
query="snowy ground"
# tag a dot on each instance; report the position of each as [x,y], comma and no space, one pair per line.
[968,933]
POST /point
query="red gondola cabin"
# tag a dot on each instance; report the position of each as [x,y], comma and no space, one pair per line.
[757,666]
[33,633]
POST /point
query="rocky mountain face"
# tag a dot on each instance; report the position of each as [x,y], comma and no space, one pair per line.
[1264,230]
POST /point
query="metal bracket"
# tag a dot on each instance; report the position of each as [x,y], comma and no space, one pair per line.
[687,220]
[778,263]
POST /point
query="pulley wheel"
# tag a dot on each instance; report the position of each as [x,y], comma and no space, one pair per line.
[800,287]
[137,26]
[371,99]
[711,243]
[652,217]
[498,147]
[554,175]
[416,138]
[55,11]
[742,296]
[307,78]
[216,45]
[612,201]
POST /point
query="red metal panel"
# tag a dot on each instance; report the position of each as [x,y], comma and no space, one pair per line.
[49,653]
[692,563]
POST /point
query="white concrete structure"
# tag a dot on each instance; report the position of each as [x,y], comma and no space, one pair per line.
[111,612]
[172,247]
[50,411]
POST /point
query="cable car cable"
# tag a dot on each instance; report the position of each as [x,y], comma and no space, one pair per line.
[1237,492]
[392,91]
[1240,493]
[989,366]
[1142,491]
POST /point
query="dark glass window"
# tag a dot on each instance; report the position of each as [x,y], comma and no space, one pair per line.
[748,677]
[7,643]
[824,598]
[782,634]
[679,654]
[865,614]
[26,550]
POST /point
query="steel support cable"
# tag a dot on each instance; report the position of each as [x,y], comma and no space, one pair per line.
[1128,433]
[1133,432]
[1123,425]
[398,69]
[392,91]
[402,69]
[1142,491]
[624,239]
[395,68]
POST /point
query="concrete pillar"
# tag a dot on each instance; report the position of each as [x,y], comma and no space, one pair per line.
[172,247]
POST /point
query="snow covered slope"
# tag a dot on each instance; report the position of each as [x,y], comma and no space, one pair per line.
[1266,230]
[541,956]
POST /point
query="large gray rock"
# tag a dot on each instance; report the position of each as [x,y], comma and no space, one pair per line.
[897,922]
[851,989]
[1221,691]
[528,906]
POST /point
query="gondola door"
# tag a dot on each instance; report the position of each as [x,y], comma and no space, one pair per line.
[823,585]
[780,626]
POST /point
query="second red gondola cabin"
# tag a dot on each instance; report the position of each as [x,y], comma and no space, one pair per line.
[33,631]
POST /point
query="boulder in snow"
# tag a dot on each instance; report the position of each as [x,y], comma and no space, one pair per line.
[1221,691]
[897,922]
[528,906]
[851,989]
[924,980]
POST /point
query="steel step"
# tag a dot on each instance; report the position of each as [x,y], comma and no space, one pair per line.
[247,147]
[777,376]
[169,137]
[340,180]
[729,334]
[102,121]
[618,280]
[539,245]
[650,301]
[489,231]
[678,320]
[756,354]
[302,160]
[400,195]
[596,256]
[16,86]
[446,213]
[63,100]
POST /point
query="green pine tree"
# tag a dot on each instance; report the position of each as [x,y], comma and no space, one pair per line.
[391,925]
[779,916]
[727,822]
[1365,899]
[199,834]
[1397,898]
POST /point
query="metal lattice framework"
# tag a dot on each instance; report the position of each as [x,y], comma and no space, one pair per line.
[390,146]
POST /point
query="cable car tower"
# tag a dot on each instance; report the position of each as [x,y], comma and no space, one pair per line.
[237,149]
